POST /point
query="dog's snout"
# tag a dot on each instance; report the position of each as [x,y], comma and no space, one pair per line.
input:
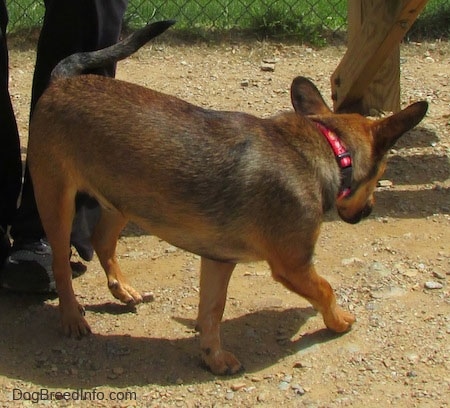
[353,220]
[358,216]
[367,210]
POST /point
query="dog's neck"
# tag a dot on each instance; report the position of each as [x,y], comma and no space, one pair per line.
[343,159]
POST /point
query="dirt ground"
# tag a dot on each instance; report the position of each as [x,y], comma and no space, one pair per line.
[391,270]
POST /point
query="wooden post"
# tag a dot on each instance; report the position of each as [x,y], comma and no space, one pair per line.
[368,76]
[383,93]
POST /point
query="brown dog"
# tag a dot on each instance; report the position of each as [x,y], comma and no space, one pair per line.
[228,186]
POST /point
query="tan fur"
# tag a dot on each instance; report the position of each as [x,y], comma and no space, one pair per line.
[228,186]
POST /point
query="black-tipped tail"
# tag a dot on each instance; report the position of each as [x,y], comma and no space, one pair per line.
[78,63]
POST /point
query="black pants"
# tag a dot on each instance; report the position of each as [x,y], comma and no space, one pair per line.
[69,26]
[10,164]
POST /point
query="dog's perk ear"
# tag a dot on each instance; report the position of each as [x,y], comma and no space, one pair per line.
[306,98]
[387,131]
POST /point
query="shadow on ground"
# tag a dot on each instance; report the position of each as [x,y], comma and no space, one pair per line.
[34,350]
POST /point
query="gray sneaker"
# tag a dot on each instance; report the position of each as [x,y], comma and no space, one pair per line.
[28,268]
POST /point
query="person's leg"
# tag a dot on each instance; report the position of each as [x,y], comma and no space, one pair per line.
[10,160]
[69,26]
[72,26]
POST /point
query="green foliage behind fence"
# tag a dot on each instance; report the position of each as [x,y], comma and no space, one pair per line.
[308,19]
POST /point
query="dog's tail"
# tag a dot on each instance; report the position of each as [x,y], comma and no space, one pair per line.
[77,63]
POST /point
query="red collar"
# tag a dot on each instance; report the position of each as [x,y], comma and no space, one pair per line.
[343,158]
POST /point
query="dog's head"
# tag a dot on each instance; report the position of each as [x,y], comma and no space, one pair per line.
[368,141]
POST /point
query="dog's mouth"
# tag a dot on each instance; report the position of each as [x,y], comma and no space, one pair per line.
[354,219]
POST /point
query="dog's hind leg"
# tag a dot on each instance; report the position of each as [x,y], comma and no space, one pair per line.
[305,281]
[104,240]
[214,279]
[55,198]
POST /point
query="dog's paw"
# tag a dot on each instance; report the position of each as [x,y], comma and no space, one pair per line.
[74,324]
[125,293]
[339,320]
[221,362]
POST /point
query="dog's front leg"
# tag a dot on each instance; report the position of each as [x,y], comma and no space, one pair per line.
[305,281]
[214,279]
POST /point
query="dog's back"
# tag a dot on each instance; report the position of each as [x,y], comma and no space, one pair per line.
[154,158]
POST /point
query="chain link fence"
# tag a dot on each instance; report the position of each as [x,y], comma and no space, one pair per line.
[309,19]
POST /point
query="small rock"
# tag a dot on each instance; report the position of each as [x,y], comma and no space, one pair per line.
[237,386]
[283,386]
[118,370]
[412,358]
[438,275]
[267,67]
[298,389]
[421,266]
[245,83]
[384,183]
[148,297]
[261,397]
[433,285]
[229,395]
